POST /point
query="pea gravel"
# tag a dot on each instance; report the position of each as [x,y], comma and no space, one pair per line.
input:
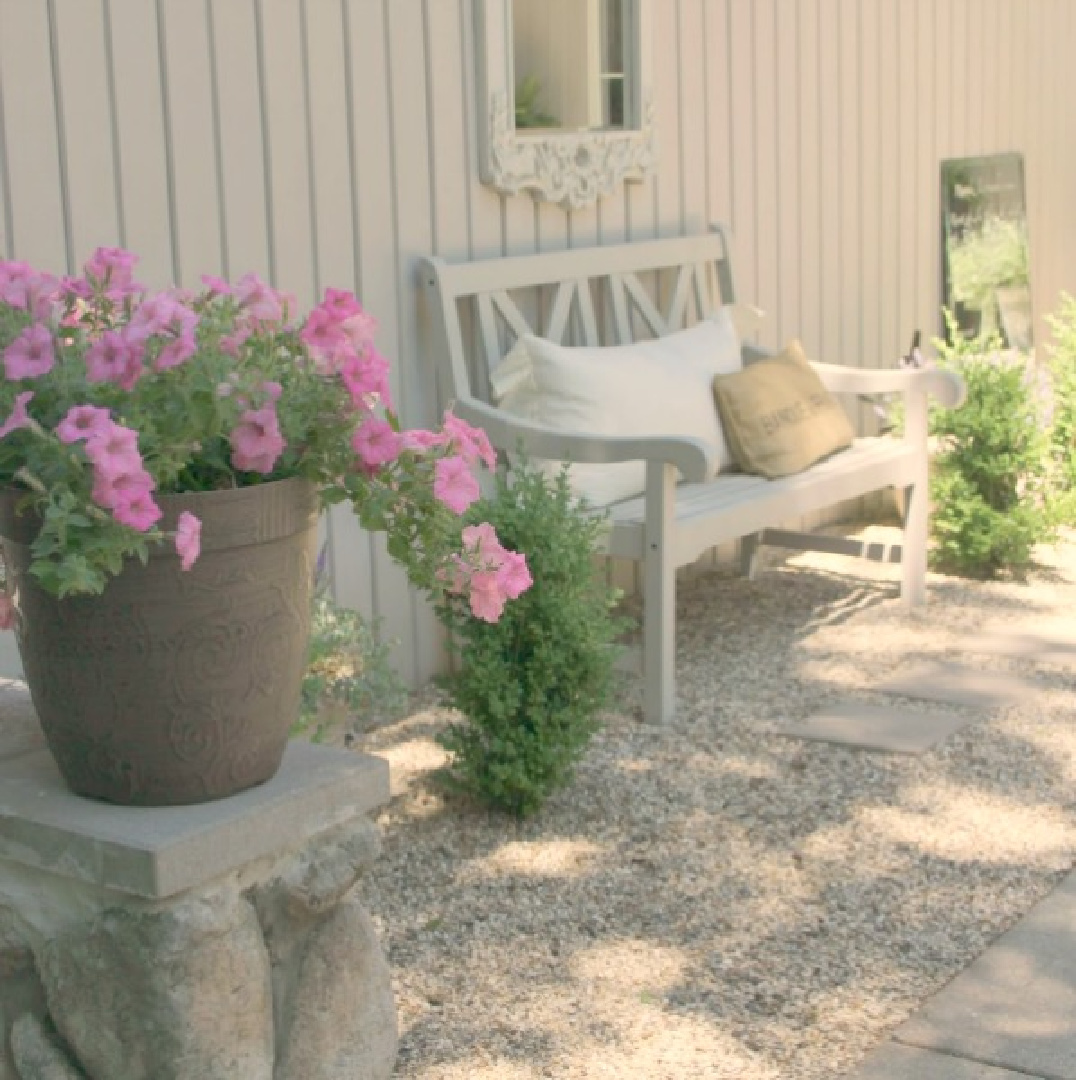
[711,899]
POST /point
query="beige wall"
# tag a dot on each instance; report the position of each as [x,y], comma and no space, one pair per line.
[331,142]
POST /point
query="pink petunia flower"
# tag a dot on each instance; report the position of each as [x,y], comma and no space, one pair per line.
[482,541]
[453,484]
[111,271]
[513,576]
[139,512]
[31,354]
[19,417]
[487,597]
[83,422]
[216,286]
[367,380]
[471,443]
[376,443]
[114,449]
[420,439]
[261,301]
[155,315]
[188,539]
[256,440]
[176,352]
[115,357]
[113,488]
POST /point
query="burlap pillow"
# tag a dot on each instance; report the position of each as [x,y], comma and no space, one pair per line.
[777,416]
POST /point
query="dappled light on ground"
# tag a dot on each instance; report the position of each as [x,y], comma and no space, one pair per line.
[711,899]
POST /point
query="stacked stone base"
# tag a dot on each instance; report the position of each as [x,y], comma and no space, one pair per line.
[218,942]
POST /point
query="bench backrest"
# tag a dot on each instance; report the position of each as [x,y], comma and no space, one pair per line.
[612,295]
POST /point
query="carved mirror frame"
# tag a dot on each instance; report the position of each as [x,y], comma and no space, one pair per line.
[570,168]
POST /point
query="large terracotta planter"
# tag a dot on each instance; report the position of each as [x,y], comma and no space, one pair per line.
[176,687]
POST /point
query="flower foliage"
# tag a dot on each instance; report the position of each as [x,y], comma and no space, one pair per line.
[114,395]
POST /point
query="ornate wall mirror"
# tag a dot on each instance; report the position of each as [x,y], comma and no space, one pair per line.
[987,278]
[565,109]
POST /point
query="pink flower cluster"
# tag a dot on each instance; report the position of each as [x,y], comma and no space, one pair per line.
[121,483]
[490,573]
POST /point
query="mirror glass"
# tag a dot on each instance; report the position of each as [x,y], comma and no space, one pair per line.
[575,65]
[987,278]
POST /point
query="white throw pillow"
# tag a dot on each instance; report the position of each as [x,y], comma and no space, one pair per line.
[659,387]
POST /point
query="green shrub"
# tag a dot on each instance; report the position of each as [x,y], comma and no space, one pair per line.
[529,687]
[1062,362]
[989,480]
[348,676]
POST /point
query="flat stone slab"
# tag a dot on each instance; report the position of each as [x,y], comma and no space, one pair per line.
[1047,643]
[19,730]
[159,851]
[1014,1007]
[895,1062]
[877,727]
[955,684]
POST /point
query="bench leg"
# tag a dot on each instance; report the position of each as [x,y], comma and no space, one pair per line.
[659,597]
[750,548]
[913,571]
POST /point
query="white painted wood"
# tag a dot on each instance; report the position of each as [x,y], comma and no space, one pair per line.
[669,526]
[193,149]
[87,130]
[311,141]
[142,141]
[39,232]
[240,104]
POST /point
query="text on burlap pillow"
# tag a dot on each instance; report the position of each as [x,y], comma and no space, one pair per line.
[777,416]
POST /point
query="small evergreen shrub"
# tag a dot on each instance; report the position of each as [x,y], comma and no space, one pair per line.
[989,480]
[530,686]
[348,676]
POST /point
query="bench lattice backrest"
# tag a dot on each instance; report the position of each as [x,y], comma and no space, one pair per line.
[600,296]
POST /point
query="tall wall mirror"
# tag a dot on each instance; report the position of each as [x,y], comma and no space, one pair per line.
[565,109]
[986,262]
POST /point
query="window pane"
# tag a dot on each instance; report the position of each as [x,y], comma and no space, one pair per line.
[613,36]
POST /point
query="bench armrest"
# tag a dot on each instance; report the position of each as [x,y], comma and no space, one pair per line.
[695,460]
[946,386]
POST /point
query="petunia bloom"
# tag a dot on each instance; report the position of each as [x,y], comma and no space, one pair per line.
[256,440]
[139,512]
[453,484]
[188,539]
[83,422]
[19,417]
[31,354]
[376,443]
[487,597]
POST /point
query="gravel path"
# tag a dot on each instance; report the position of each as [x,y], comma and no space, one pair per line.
[714,900]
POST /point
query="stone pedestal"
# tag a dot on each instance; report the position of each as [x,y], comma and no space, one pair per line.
[212,942]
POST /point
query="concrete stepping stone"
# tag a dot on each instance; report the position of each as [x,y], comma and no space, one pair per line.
[1047,643]
[1014,1007]
[894,1062]
[20,731]
[955,684]
[877,727]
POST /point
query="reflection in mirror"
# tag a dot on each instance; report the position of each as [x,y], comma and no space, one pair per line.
[574,64]
[984,236]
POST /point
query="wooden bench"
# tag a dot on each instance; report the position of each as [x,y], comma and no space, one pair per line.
[598,296]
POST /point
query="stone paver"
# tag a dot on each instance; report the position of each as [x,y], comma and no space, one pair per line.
[19,730]
[1047,643]
[893,1062]
[1015,1006]
[956,684]
[158,851]
[877,727]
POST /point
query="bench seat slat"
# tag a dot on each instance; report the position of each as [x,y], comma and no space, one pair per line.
[712,513]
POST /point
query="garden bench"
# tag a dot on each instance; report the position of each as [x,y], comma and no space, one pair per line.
[625,293]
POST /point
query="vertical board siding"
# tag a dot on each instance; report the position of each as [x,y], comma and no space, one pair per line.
[333,142]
